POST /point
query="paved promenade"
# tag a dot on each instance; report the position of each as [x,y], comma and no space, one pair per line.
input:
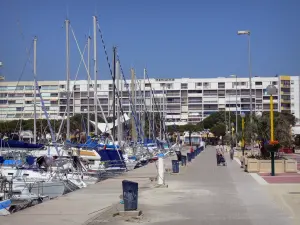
[206,194]
[203,193]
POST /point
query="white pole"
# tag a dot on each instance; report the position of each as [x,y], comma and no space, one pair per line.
[68,77]
[236,116]
[121,128]
[88,87]
[118,100]
[150,116]
[34,89]
[145,105]
[95,75]
[136,109]
[160,119]
[161,169]
[153,115]
[163,117]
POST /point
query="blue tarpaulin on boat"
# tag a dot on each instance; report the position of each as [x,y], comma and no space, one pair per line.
[19,144]
[148,141]
[112,157]
[8,162]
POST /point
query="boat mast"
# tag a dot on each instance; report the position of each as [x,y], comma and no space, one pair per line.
[95,74]
[133,128]
[114,94]
[34,90]
[163,113]
[150,116]
[121,102]
[118,101]
[88,87]
[153,115]
[67,22]
[160,116]
[145,108]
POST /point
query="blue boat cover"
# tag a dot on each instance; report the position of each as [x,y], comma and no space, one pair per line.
[112,158]
[12,162]
[5,204]
[19,144]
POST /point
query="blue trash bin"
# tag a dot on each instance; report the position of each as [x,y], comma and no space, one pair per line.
[175,166]
[130,195]
[189,157]
[183,160]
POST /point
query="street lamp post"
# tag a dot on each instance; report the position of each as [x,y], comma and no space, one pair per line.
[236,111]
[243,133]
[232,132]
[272,90]
[247,32]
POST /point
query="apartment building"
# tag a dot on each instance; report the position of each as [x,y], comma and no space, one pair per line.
[181,100]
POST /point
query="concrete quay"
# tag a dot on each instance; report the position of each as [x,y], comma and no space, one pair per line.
[82,205]
[202,193]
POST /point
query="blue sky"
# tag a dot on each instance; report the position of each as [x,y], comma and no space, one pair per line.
[172,38]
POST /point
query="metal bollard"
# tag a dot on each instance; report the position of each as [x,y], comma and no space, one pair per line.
[175,166]
[130,195]
[160,179]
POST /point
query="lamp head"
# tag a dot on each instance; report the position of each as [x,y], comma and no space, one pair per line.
[243,32]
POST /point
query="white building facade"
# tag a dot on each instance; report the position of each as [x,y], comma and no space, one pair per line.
[182,100]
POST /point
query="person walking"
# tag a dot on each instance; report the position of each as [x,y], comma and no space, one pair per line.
[231,152]
[218,153]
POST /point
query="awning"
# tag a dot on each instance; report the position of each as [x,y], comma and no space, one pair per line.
[103,127]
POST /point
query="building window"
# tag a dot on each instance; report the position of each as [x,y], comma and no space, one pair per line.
[148,85]
[184,86]
[274,82]
[3,102]
[54,95]
[198,84]
[76,87]
[28,95]
[221,85]
[20,88]
[53,102]
[62,86]
[169,86]
[3,95]
[50,87]
[12,102]
[11,88]
[20,109]
[28,87]
[3,88]
[258,83]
